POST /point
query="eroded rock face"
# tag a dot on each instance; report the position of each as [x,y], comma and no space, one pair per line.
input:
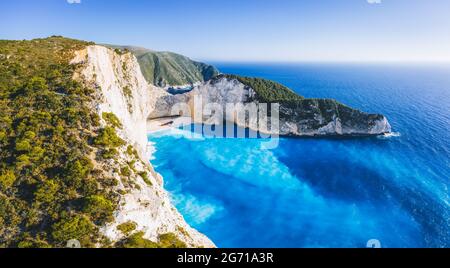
[122,90]
[324,117]
[308,117]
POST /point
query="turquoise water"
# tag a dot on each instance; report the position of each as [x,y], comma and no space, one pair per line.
[324,192]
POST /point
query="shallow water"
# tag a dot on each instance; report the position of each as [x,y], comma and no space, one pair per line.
[324,192]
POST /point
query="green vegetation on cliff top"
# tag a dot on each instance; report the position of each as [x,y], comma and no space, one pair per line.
[266,90]
[170,69]
[297,107]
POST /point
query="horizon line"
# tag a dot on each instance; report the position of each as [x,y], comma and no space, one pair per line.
[211,61]
[259,61]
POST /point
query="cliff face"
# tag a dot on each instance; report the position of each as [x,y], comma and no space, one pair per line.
[325,117]
[298,117]
[123,91]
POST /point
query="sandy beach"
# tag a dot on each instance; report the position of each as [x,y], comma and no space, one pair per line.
[165,123]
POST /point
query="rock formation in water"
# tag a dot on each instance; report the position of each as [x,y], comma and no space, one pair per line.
[298,116]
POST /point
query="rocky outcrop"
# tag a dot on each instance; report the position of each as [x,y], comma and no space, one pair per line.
[325,117]
[122,90]
[302,117]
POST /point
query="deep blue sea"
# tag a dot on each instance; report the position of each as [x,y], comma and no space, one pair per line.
[324,192]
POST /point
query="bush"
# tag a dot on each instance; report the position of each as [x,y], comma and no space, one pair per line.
[33,243]
[22,161]
[99,208]
[125,171]
[137,241]
[127,92]
[108,138]
[112,120]
[46,192]
[132,152]
[2,135]
[127,227]
[109,153]
[73,227]
[7,179]
[78,171]
[144,176]
[170,240]
[37,83]
[23,146]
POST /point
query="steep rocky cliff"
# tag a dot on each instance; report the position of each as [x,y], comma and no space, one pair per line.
[298,116]
[123,91]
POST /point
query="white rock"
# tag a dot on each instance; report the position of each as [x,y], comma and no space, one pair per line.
[125,92]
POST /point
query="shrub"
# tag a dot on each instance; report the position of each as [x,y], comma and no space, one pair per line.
[170,240]
[37,83]
[125,171]
[137,241]
[22,161]
[112,120]
[99,208]
[109,153]
[132,152]
[132,164]
[108,138]
[73,227]
[23,146]
[127,227]
[33,243]
[127,92]
[2,135]
[78,171]
[7,179]
[46,192]
[144,176]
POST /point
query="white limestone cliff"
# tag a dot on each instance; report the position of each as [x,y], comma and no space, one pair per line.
[123,90]
[311,117]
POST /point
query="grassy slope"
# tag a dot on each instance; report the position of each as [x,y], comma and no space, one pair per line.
[266,90]
[170,69]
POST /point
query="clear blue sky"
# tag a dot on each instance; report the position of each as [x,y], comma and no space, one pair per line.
[246,30]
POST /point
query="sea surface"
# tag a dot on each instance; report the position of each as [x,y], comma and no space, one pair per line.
[324,192]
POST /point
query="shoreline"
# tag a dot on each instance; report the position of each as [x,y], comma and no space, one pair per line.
[166,123]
